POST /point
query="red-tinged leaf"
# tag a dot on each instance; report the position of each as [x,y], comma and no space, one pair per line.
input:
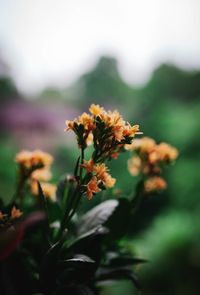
[12,236]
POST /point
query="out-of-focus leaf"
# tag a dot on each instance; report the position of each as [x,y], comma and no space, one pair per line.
[96,216]
[105,274]
[61,188]
[82,241]
[12,236]
[54,211]
[43,201]
[75,290]
[43,204]
[118,222]
[115,259]
[48,267]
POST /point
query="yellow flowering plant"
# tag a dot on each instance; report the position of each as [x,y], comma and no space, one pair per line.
[57,249]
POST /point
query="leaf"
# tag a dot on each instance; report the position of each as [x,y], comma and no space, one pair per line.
[84,290]
[12,236]
[61,188]
[96,216]
[117,260]
[43,204]
[54,212]
[42,199]
[90,243]
[48,268]
[77,259]
[75,290]
[105,274]
[82,241]
[119,221]
[76,270]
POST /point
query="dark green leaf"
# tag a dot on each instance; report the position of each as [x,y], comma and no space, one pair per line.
[61,188]
[117,260]
[119,220]
[78,261]
[97,216]
[48,267]
[42,199]
[75,290]
[90,243]
[43,204]
[104,274]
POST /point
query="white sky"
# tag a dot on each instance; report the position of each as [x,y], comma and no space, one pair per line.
[55,41]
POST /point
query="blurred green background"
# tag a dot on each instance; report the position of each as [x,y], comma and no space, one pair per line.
[167,229]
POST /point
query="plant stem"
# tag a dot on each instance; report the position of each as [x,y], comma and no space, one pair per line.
[137,197]
[18,195]
[82,160]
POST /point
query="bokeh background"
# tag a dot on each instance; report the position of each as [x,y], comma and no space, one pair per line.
[140,57]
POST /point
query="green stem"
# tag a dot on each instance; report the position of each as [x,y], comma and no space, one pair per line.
[68,210]
[18,195]
[137,197]
[74,199]
[82,160]
[76,203]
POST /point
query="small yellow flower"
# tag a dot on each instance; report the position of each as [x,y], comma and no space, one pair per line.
[143,145]
[155,183]
[49,190]
[87,121]
[88,165]
[131,130]
[43,174]
[92,188]
[108,180]
[100,169]
[89,139]
[135,165]
[96,110]
[118,132]
[69,125]
[167,152]
[15,213]
[154,156]
[115,118]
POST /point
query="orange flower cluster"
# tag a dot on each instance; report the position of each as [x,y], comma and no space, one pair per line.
[149,156]
[100,177]
[33,160]
[148,160]
[37,165]
[155,183]
[108,131]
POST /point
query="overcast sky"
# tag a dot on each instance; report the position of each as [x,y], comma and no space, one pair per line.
[55,41]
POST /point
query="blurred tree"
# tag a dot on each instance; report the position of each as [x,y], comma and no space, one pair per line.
[104,84]
[171,82]
[8,90]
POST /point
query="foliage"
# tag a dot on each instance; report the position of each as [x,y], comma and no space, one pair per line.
[54,248]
